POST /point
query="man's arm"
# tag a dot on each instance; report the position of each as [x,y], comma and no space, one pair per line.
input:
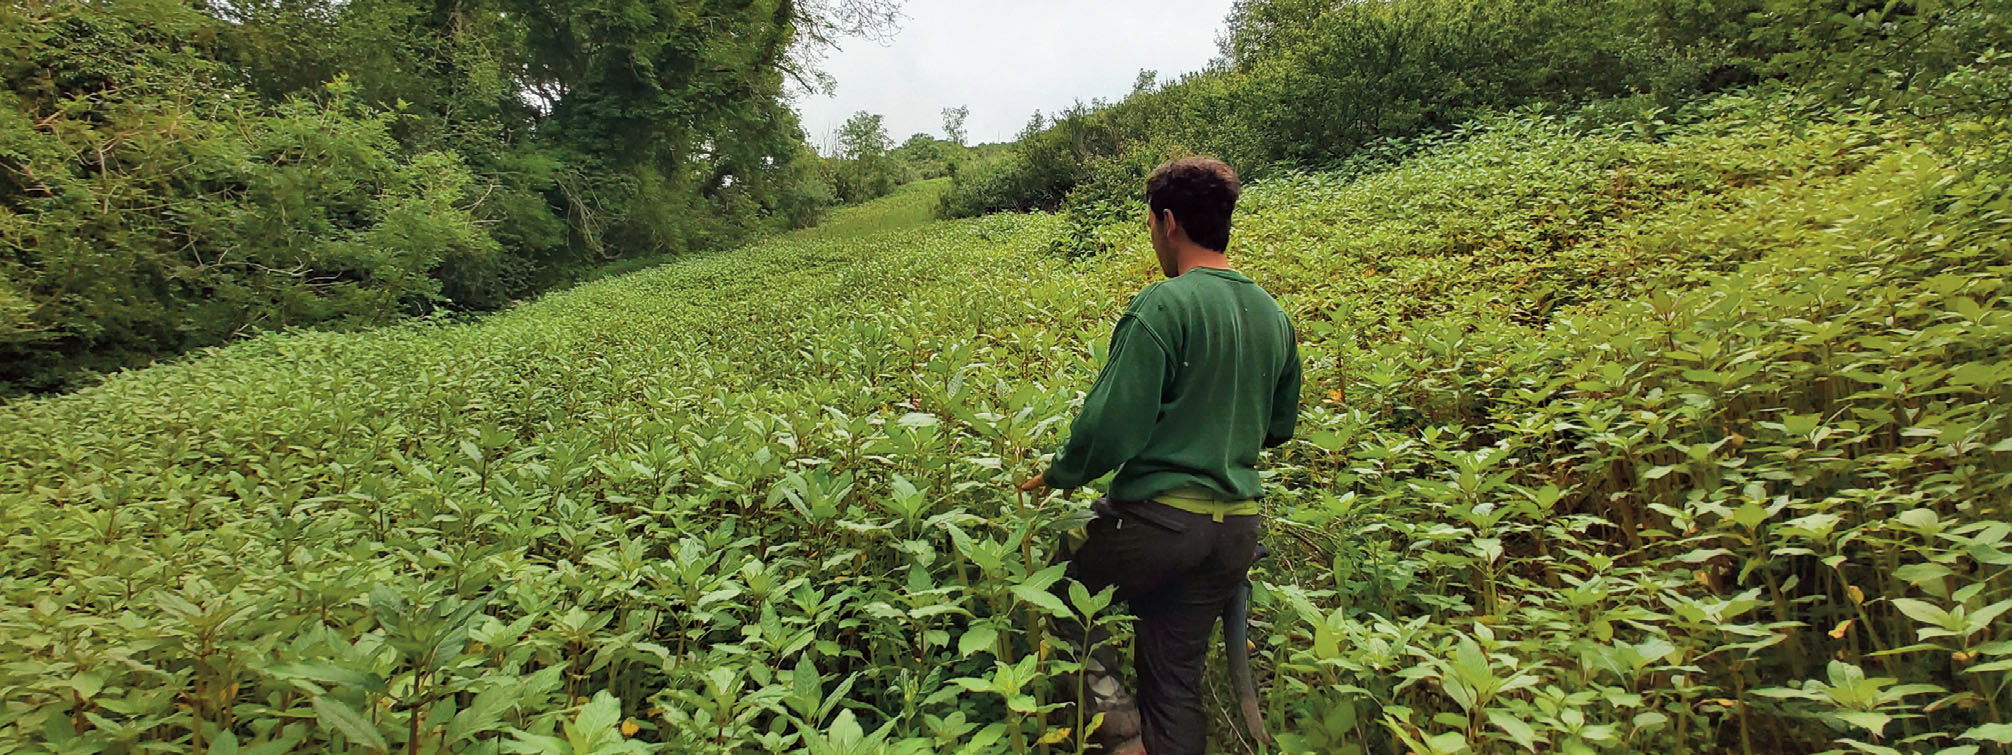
[1285,397]
[1120,411]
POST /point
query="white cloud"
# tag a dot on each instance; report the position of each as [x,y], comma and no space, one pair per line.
[1006,60]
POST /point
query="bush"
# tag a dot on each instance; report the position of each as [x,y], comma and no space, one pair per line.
[1305,85]
[153,209]
[177,174]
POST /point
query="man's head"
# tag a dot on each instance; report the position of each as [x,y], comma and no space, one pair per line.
[1189,201]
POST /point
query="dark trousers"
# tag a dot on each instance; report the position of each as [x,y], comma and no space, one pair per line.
[1175,571]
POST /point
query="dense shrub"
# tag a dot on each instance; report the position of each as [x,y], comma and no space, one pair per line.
[149,208]
[174,174]
[924,157]
[1306,84]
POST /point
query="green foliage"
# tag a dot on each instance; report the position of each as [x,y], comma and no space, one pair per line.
[151,210]
[1308,85]
[1305,84]
[1109,207]
[1872,51]
[1686,497]
[864,169]
[868,165]
[924,157]
[953,123]
[1679,436]
[176,174]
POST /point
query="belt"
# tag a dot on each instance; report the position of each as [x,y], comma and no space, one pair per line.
[1199,501]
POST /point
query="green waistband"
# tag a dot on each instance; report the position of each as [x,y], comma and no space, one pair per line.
[1198,502]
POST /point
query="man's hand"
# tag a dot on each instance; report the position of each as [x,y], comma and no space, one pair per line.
[1040,481]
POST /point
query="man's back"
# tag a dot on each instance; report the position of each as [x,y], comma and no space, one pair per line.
[1231,361]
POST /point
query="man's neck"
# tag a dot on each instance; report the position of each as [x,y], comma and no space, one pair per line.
[1198,256]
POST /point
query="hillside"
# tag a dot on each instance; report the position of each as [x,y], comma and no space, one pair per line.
[1686,435]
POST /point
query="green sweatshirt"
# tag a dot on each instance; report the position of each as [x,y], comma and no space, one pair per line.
[1203,374]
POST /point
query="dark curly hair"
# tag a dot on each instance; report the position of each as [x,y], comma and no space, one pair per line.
[1201,192]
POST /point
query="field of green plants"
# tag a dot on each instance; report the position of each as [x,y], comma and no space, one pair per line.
[1689,434]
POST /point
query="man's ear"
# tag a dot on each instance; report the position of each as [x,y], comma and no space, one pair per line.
[1168,225]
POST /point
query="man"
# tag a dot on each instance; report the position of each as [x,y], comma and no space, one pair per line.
[1203,374]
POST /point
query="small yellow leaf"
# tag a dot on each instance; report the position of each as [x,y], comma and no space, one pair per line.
[1842,628]
[1055,736]
[1963,657]
[629,728]
[1857,595]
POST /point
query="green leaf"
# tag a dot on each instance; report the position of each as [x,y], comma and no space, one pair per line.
[979,637]
[1784,693]
[1749,515]
[1472,665]
[1982,617]
[846,729]
[484,713]
[595,726]
[1042,599]
[1871,721]
[335,714]
[1915,574]
[332,675]
[1045,578]
[1086,604]
[1921,611]
[1995,733]
[918,419]
[975,684]
[1514,727]
[1447,743]
[89,683]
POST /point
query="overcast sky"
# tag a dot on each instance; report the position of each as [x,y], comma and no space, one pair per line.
[1006,59]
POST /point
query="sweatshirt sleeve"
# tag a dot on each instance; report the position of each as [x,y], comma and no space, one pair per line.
[1285,397]
[1120,411]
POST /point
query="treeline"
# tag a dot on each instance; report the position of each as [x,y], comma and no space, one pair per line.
[1309,84]
[865,163]
[177,172]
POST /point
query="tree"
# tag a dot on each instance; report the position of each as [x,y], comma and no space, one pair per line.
[1145,81]
[864,170]
[924,157]
[953,123]
[863,136]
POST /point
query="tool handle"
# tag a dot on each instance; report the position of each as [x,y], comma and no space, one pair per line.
[1236,651]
